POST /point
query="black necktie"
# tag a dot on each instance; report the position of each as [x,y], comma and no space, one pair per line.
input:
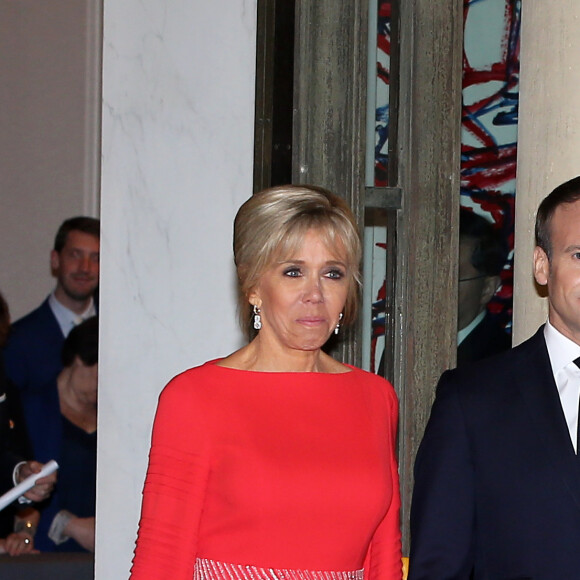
[577,363]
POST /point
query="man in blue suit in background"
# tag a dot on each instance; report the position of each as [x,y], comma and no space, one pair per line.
[497,475]
[32,354]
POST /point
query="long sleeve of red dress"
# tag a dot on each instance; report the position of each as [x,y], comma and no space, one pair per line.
[293,471]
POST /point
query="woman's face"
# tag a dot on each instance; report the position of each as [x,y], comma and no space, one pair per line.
[301,297]
[85,381]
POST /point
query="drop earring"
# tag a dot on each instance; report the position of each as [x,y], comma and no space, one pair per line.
[337,327]
[257,318]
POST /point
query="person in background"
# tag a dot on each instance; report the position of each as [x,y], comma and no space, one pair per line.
[278,460]
[16,437]
[32,353]
[13,468]
[62,425]
[482,256]
[497,474]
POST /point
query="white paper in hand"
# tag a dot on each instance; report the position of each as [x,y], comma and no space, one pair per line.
[27,484]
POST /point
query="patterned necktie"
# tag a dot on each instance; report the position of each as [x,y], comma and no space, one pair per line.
[577,363]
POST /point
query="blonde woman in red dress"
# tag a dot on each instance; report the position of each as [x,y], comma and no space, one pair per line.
[278,461]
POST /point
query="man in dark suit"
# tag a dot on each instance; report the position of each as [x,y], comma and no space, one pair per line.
[482,256]
[13,469]
[497,475]
[32,354]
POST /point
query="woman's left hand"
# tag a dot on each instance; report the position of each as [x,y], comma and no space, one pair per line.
[19,543]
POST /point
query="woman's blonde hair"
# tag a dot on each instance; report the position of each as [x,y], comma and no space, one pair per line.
[272,224]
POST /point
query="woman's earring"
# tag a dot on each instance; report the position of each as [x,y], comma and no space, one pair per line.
[258,318]
[337,328]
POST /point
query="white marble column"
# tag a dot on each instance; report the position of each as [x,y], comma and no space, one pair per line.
[548,134]
[177,156]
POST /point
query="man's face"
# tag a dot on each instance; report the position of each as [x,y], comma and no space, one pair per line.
[84,381]
[471,285]
[76,266]
[475,289]
[562,272]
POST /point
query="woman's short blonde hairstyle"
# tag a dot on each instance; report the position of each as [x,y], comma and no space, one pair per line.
[271,225]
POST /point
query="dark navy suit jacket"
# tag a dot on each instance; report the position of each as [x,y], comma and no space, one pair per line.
[33,352]
[77,459]
[13,444]
[497,482]
[8,457]
[485,340]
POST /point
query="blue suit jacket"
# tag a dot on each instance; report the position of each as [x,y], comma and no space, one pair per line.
[13,444]
[33,352]
[497,482]
[8,457]
[76,485]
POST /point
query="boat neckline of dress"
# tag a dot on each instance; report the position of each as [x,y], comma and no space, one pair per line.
[215,364]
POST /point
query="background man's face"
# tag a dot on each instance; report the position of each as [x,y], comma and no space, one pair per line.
[471,285]
[76,266]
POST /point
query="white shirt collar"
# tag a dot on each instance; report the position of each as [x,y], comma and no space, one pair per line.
[561,349]
[66,318]
[465,332]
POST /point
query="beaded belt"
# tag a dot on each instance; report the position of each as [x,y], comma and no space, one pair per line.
[212,570]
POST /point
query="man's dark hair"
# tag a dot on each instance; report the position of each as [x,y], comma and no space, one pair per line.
[490,249]
[82,341]
[87,225]
[568,192]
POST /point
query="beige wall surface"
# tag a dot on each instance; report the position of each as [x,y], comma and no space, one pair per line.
[548,135]
[49,135]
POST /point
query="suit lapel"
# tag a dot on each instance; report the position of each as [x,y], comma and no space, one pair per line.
[540,394]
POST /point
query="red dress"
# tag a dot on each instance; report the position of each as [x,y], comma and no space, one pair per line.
[286,471]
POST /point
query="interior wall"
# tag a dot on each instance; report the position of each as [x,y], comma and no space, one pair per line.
[178,124]
[49,135]
[549,136]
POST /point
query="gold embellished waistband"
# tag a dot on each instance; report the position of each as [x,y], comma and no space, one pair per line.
[212,570]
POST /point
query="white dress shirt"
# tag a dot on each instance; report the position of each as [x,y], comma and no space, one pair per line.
[66,318]
[465,332]
[562,352]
